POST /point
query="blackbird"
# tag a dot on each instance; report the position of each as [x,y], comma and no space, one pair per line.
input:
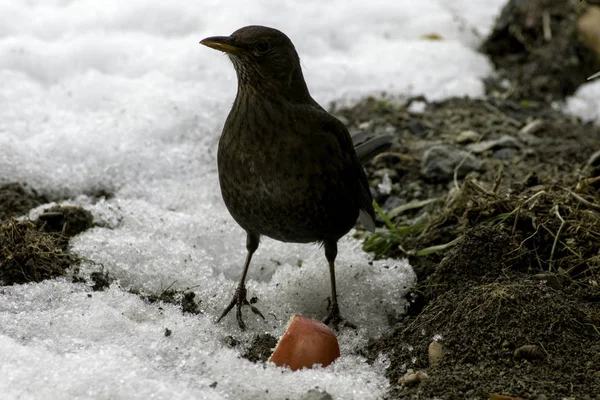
[287,169]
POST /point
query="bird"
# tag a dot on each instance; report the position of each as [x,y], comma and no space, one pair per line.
[287,168]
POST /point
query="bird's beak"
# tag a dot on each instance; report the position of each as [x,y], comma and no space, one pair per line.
[222,43]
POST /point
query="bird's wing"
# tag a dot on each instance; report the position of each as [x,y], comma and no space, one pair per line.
[363,193]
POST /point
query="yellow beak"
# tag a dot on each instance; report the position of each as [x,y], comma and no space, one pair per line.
[221,43]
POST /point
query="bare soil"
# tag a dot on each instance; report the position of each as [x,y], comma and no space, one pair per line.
[501,221]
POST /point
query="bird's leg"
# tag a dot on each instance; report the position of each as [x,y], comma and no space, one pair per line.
[334,317]
[239,298]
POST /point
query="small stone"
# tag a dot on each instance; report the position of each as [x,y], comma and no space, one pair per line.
[365,125]
[505,154]
[500,143]
[412,378]
[529,352]
[436,352]
[467,137]
[392,202]
[439,162]
[417,128]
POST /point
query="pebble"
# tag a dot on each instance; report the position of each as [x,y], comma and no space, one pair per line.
[505,154]
[392,202]
[436,352]
[500,143]
[412,378]
[467,137]
[529,352]
[438,163]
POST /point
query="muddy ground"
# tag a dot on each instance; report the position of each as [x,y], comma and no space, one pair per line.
[496,204]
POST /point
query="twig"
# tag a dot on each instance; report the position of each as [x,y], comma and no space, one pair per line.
[593,180]
[480,188]
[546,26]
[563,243]
[562,224]
[498,179]
[535,196]
[457,168]
[496,110]
[581,199]
[518,212]
[531,127]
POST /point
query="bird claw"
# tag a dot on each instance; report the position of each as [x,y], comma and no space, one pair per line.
[335,318]
[239,300]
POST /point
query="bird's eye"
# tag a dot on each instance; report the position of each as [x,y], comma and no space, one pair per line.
[262,47]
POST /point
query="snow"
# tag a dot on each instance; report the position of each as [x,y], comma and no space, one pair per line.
[120,96]
[585,103]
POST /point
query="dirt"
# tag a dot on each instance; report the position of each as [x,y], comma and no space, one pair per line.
[66,220]
[496,204]
[506,255]
[35,250]
[27,254]
[185,299]
[261,348]
[536,48]
[17,199]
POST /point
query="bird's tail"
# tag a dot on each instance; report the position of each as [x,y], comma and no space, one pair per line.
[367,145]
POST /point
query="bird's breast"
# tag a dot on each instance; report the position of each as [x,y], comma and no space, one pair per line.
[280,180]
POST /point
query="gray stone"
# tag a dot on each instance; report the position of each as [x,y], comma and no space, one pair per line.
[438,163]
[392,202]
[467,137]
[495,144]
[505,154]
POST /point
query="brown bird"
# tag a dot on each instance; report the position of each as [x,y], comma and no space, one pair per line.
[287,168]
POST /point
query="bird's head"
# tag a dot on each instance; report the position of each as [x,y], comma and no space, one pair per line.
[265,60]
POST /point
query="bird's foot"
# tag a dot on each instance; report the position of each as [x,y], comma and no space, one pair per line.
[335,318]
[239,300]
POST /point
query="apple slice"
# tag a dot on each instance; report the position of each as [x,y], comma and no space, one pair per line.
[305,342]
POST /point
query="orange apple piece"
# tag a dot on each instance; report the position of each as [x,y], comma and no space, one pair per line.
[305,342]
